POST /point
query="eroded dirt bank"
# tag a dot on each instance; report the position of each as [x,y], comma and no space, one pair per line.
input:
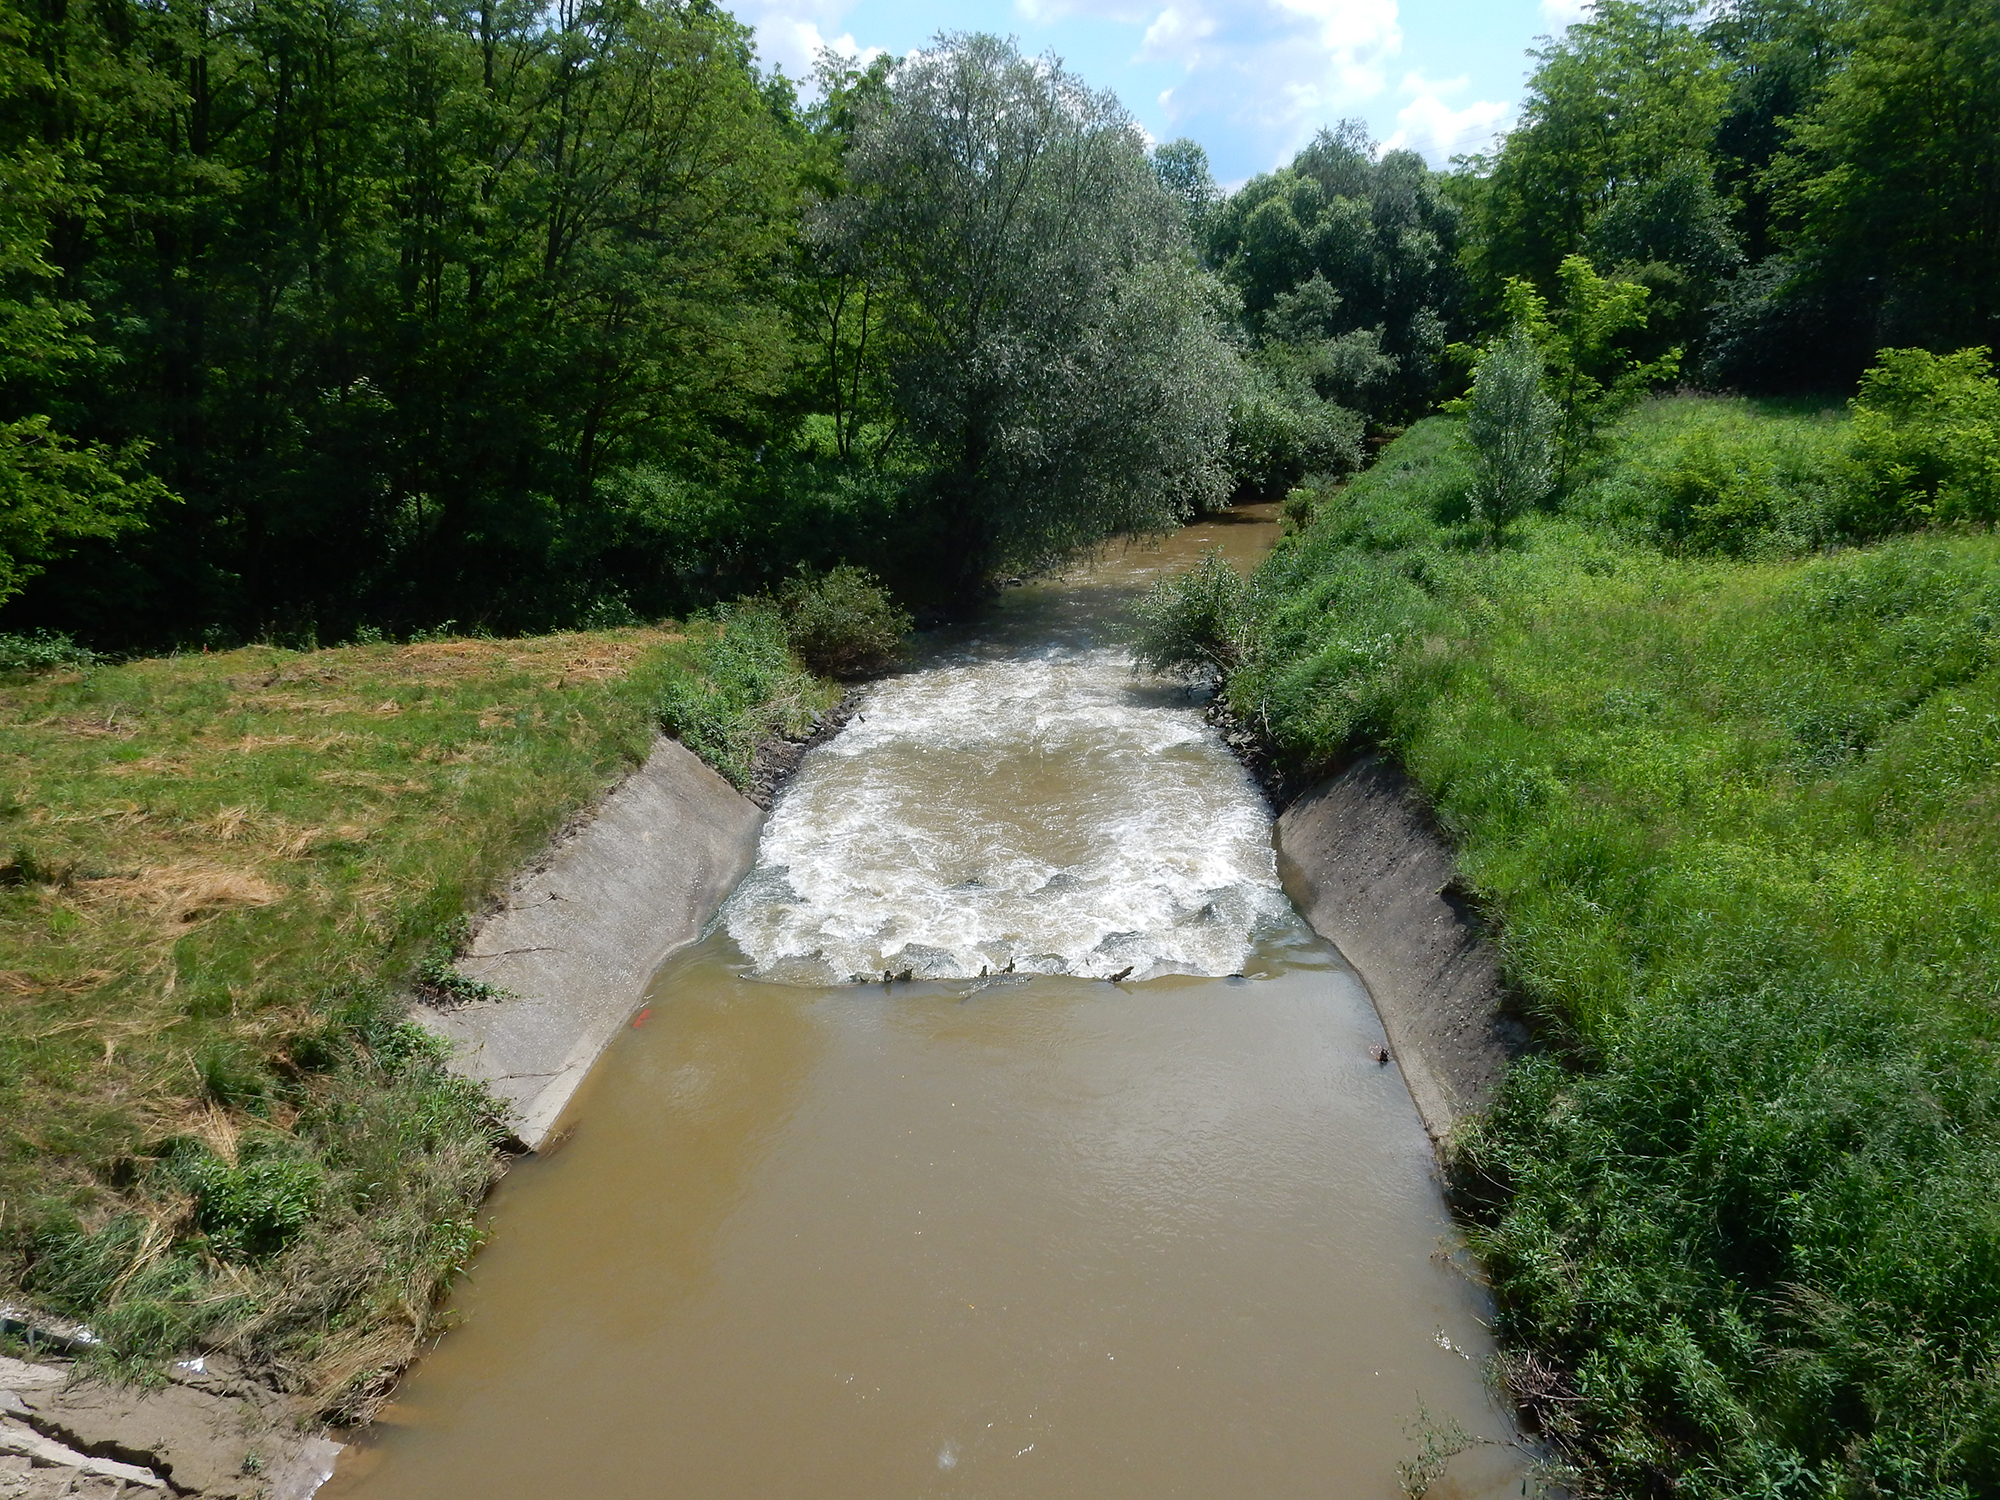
[207,1431]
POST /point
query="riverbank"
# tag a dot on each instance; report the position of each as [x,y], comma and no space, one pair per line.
[1046,1214]
[225,877]
[1729,802]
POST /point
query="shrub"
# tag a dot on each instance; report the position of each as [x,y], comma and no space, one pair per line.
[1510,424]
[741,685]
[1926,441]
[43,651]
[1705,474]
[250,1209]
[842,623]
[1197,622]
[1280,431]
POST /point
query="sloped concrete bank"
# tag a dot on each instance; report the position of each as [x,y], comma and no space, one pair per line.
[577,937]
[1362,857]
[569,951]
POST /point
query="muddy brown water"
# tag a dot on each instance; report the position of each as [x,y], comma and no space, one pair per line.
[1026,1234]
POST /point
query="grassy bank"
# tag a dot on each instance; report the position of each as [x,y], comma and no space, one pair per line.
[1732,797]
[222,877]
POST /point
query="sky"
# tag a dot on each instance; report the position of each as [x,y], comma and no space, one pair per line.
[1249,79]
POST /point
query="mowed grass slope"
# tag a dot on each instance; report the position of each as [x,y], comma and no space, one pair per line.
[1734,801]
[220,876]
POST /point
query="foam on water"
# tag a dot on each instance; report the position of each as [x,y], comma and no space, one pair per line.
[1053,811]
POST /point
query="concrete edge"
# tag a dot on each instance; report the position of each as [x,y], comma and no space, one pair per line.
[1364,860]
[581,931]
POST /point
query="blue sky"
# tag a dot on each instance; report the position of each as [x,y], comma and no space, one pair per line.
[1250,79]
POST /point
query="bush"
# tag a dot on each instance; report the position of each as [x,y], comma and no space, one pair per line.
[42,651]
[740,684]
[1197,622]
[1722,475]
[842,623]
[1280,431]
[250,1209]
[1778,327]
[1926,441]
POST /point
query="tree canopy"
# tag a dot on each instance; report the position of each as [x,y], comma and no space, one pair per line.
[522,315]
[1062,358]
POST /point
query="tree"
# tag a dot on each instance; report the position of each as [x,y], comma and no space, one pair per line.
[1510,424]
[1893,175]
[1372,241]
[1585,342]
[840,297]
[392,290]
[1777,56]
[55,491]
[1064,362]
[1670,233]
[1183,170]
[1625,93]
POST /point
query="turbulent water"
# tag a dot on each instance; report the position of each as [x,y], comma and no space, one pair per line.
[1016,1237]
[1052,813]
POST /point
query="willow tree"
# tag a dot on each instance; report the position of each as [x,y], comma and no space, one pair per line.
[1064,361]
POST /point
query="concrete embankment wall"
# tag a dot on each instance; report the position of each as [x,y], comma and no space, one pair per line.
[577,937]
[1362,857]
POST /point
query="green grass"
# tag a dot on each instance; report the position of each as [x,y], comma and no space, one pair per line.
[1735,802]
[220,878]
[742,685]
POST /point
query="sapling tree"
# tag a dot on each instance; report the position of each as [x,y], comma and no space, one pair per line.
[1510,424]
[1585,341]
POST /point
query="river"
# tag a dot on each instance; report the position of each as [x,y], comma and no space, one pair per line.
[1019,1232]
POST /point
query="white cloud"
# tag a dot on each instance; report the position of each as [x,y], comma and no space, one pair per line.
[1429,125]
[1564,12]
[790,34]
[1275,70]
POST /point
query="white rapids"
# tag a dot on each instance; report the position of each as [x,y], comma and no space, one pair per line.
[1055,812]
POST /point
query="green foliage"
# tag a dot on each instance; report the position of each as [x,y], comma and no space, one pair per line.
[687,543]
[737,684]
[1893,173]
[1586,340]
[1281,431]
[1183,170]
[251,1208]
[1628,92]
[842,623]
[1061,363]
[386,323]
[1702,475]
[56,492]
[1733,821]
[1777,56]
[841,298]
[1198,622]
[41,651]
[1344,265]
[1927,440]
[1510,423]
